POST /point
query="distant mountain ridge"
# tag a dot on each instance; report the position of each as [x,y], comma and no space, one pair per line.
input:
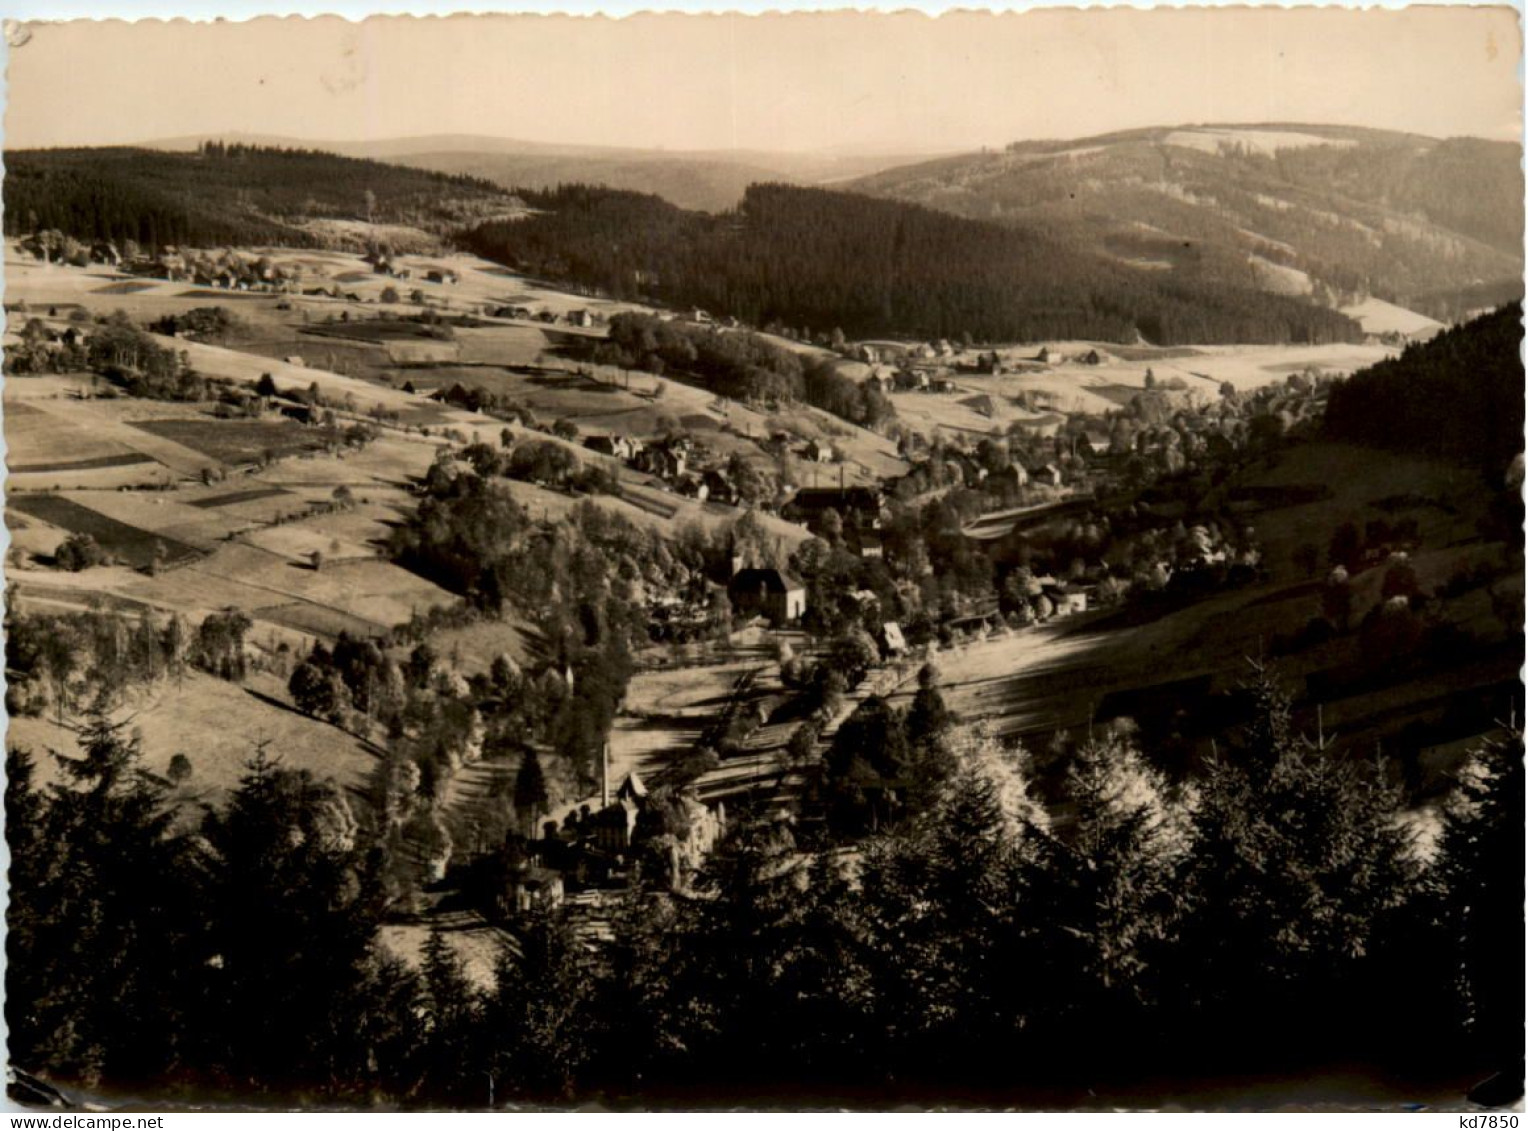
[706,180]
[1336,212]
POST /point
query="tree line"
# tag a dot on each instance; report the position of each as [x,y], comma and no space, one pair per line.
[75,660]
[819,259]
[740,364]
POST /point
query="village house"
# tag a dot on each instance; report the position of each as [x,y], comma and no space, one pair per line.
[865,599]
[1097,442]
[581,318]
[859,504]
[667,461]
[612,826]
[768,593]
[692,487]
[817,451]
[719,488]
[891,641]
[870,544]
[1049,475]
[1009,478]
[614,444]
[531,887]
[295,410]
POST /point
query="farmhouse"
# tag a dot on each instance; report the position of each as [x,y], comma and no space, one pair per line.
[767,592]
[692,487]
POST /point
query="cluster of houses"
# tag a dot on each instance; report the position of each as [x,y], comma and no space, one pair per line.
[384,262]
[584,319]
[858,510]
[962,468]
[671,460]
[911,380]
[600,844]
[226,271]
[892,353]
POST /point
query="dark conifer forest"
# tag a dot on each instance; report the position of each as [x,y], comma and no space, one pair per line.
[816,260]
[1458,396]
[227,194]
[973,949]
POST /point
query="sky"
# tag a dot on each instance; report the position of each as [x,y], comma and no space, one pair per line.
[867,82]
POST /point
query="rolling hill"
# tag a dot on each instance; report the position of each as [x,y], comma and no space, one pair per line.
[1340,213]
[819,260]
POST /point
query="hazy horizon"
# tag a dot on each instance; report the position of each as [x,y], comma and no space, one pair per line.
[802,83]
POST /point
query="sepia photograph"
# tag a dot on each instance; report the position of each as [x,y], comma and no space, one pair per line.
[810,561]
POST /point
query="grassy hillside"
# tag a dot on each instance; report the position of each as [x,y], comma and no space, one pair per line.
[228,194]
[1418,221]
[818,260]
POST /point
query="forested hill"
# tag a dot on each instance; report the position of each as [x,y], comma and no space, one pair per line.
[1458,396]
[813,259]
[230,194]
[1430,224]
